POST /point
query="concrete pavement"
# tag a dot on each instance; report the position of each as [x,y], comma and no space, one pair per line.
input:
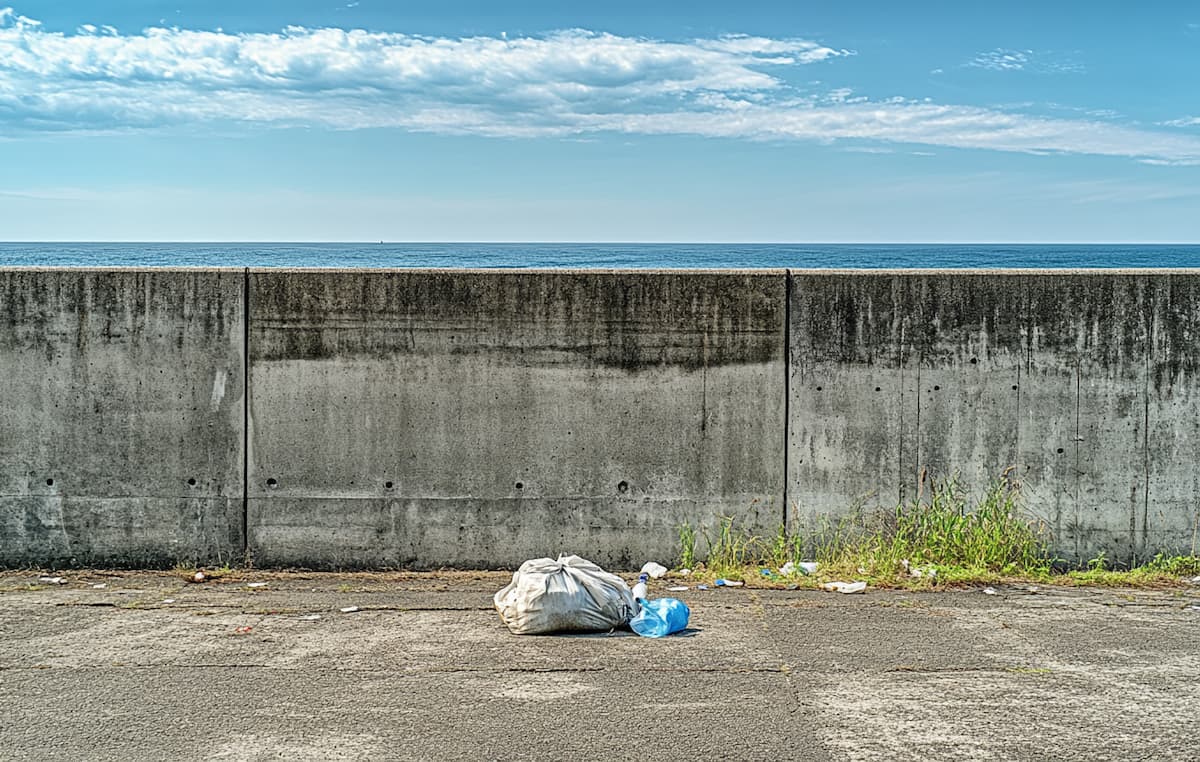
[151,667]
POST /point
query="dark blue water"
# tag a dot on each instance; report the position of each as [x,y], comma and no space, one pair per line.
[820,256]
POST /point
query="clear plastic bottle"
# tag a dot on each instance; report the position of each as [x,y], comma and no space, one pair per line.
[639,590]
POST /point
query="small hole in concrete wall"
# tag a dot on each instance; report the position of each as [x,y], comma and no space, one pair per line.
[49,482]
[937,388]
[974,360]
[519,485]
[877,389]
[1059,451]
[271,482]
[818,388]
[1014,387]
[387,485]
[622,486]
[191,482]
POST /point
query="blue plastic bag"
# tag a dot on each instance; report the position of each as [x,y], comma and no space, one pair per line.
[660,617]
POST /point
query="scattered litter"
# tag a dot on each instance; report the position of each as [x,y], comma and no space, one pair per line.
[243,630]
[701,587]
[1195,580]
[660,617]
[99,586]
[564,595]
[805,567]
[677,588]
[52,580]
[792,587]
[349,609]
[256,584]
[685,572]
[728,583]
[1193,608]
[765,572]
[639,590]
[654,570]
[1033,588]
[989,591]
[168,600]
[310,617]
[844,587]
[198,577]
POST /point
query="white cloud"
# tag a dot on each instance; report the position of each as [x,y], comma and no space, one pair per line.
[567,84]
[1005,59]
[1187,121]
[1001,59]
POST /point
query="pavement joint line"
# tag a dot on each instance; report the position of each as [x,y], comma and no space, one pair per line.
[403,670]
[126,606]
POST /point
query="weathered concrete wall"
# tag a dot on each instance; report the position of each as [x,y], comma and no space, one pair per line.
[482,418]
[1084,383]
[478,418]
[121,422]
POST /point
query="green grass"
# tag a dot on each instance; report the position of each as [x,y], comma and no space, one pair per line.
[1159,571]
[943,538]
[729,551]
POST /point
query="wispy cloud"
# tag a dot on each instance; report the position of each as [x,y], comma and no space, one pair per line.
[1187,121]
[567,84]
[1006,59]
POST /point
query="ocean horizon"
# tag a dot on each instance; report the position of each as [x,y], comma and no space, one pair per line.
[600,255]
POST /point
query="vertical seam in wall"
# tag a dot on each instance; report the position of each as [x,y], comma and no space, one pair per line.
[1018,354]
[1146,437]
[901,365]
[1079,376]
[246,414]
[787,389]
[918,351]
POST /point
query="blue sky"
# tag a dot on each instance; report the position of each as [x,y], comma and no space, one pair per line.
[615,121]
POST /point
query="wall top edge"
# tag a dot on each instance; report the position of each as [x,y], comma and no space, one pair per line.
[115,269]
[778,271]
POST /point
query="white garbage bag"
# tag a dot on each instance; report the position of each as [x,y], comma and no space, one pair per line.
[570,594]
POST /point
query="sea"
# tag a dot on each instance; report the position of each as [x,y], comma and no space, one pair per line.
[598,255]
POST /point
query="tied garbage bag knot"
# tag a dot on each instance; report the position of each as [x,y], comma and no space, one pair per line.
[660,617]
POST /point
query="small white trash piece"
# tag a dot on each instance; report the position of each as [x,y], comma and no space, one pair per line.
[52,580]
[256,584]
[677,588]
[310,617]
[168,600]
[99,586]
[989,591]
[805,567]
[844,587]
[654,570]
[349,609]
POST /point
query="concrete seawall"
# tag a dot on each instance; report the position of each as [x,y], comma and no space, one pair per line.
[421,418]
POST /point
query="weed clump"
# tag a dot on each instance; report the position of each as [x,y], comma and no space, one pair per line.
[944,536]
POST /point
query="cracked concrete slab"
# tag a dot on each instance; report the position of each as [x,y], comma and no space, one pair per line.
[425,670]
